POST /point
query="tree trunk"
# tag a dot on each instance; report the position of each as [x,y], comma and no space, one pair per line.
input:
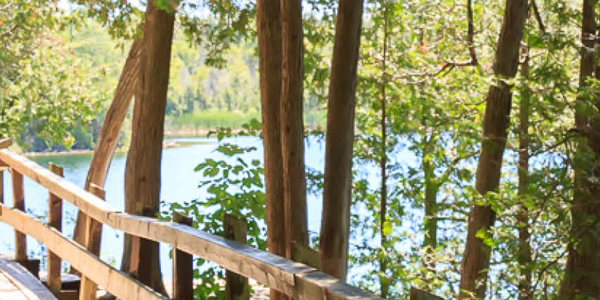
[142,171]
[476,259]
[582,273]
[524,255]
[107,140]
[430,201]
[337,190]
[292,125]
[384,280]
[268,18]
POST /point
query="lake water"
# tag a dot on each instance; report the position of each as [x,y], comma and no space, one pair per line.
[179,184]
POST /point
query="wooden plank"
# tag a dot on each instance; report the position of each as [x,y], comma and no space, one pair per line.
[64,189]
[19,203]
[236,287]
[2,186]
[183,268]
[418,294]
[55,221]
[306,255]
[111,279]
[69,281]
[278,273]
[93,232]
[5,143]
[23,282]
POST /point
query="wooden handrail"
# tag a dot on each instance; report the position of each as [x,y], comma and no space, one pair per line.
[113,280]
[293,279]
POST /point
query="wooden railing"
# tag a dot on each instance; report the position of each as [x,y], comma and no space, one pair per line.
[294,279]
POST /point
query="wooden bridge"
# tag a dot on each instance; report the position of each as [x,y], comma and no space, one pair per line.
[294,279]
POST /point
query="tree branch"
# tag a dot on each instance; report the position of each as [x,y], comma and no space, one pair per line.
[538,17]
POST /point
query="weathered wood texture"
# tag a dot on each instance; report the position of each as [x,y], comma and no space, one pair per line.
[306,255]
[418,294]
[114,281]
[19,203]
[183,268]
[93,232]
[55,221]
[1,186]
[5,143]
[17,283]
[294,279]
[236,287]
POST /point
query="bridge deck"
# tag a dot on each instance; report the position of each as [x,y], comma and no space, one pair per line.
[16,283]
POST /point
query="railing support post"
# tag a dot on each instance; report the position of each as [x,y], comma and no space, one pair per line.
[183,268]
[19,203]
[93,232]
[1,184]
[237,287]
[141,253]
[55,221]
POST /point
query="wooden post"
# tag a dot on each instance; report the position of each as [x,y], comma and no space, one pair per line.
[237,287]
[1,185]
[19,203]
[183,269]
[54,220]
[93,232]
[305,255]
[140,253]
[418,294]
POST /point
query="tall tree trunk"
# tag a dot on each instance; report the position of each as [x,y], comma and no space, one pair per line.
[142,171]
[107,140]
[524,255]
[476,259]
[384,280]
[268,18]
[430,201]
[337,190]
[582,273]
[292,125]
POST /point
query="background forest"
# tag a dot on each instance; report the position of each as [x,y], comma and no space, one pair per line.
[430,74]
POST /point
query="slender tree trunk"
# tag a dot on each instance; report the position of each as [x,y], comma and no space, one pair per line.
[524,255]
[384,280]
[476,259]
[582,273]
[337,190]
[107,140]
[292,125]
[430,201]
[142,171]
[268,18]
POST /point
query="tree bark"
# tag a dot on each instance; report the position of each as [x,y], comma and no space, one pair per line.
[431,189]
[268,18]
[107,140]
[524,255]
[582,272]
[292,125]
[384,280]
[142,171]
[337,190]
[497,113]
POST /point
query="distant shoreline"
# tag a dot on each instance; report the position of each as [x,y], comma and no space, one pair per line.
[166,145]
